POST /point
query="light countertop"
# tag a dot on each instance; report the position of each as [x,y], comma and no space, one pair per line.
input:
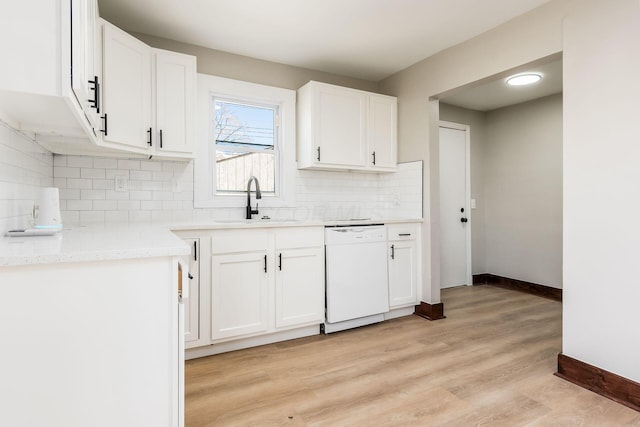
[102,242]
[114,241]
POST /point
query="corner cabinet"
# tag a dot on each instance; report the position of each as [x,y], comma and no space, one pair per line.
[403,264]
[346,129]
[126,93]
[48,75]
[148,97]
[82,86]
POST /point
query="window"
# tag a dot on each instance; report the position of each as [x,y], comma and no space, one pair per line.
[245,129]
[246,139]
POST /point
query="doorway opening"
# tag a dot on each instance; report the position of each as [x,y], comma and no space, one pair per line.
[515,180]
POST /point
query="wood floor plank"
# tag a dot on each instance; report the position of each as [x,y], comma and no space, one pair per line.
[490,362]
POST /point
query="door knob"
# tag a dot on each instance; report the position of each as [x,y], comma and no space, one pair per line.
[463,219]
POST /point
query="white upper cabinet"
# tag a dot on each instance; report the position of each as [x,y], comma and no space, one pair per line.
[343,128]
[148,97]
[383,132]
[175,83]
[48,50]
[82,86]
[85,73]
[126,90]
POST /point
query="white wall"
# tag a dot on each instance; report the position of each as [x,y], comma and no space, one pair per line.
[523,188]
[602,186]
[24,168]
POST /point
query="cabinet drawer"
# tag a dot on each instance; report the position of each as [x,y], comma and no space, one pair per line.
[402,231]
[230,241]
[299,237]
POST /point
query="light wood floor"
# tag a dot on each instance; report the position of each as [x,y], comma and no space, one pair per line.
[491,362]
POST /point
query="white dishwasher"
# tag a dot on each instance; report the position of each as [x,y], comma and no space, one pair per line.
[356,276]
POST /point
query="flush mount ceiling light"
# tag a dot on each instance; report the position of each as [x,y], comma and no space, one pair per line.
[523,79]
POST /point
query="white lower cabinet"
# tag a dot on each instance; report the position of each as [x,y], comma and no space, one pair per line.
[299,286]
[239,294]
[257,285]
[403,264]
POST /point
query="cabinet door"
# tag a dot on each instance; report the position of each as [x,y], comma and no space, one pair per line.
[192,306]
[383,132]
[126,89]
[83,75]
[299,286]
[239,294]
[340,127]
[402,273]
[175,101]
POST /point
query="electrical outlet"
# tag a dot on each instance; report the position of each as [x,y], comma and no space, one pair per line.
[122,184]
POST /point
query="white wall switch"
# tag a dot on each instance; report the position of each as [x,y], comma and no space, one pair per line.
[473,203]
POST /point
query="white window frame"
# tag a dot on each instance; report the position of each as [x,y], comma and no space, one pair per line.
[205,161]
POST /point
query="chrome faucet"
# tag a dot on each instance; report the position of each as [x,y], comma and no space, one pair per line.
[258,196]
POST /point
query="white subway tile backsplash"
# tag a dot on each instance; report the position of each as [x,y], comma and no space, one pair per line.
[24,168]
[79,205]
[103,184]
[78,183]
[141,175]
[59,160]
[163,191]
[116,195]
[66,172]
[113,173]
[92,194]
[140,195]
[105,205]
[128,205]
[172,205]
[162,195]
[95,173]
[151,205]
[129,164]
[140,216]
[162,176]
[151,166]
[103,163]
[69,194]
[80,161]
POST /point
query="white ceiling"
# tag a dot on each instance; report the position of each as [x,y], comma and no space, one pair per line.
[367,39]
[496,93]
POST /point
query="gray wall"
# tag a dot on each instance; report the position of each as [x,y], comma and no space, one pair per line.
[223,64]
[523,188]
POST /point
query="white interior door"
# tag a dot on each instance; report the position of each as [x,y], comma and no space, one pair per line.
[454,212]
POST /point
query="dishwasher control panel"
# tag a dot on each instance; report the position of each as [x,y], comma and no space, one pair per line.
[355,234]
